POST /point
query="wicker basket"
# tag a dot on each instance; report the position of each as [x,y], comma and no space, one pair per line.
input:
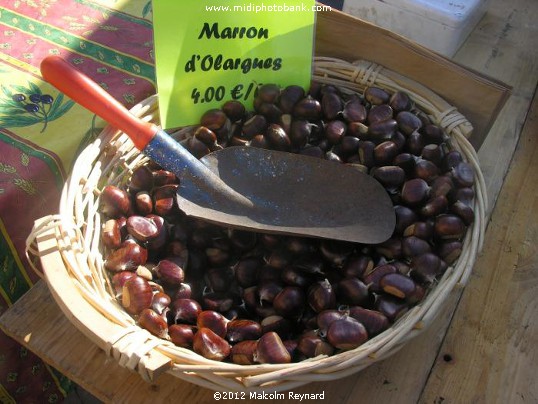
[68,245]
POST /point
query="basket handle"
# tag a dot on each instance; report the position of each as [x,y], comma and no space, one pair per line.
[90,95]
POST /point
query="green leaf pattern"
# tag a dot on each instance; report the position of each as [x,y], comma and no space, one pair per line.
[27,105]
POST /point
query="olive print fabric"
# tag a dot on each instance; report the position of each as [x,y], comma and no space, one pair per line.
[41,132]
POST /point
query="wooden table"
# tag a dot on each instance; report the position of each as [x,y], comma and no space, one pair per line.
[483,347]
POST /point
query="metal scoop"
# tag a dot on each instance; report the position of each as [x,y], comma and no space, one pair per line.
[247,187]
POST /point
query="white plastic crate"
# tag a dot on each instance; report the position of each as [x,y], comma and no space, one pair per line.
[440,25]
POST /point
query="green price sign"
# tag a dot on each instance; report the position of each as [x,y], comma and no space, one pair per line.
[208,52]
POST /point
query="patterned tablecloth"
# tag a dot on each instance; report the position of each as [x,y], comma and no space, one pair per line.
[41,132]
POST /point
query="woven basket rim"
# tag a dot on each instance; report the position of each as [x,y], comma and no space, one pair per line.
[112,156]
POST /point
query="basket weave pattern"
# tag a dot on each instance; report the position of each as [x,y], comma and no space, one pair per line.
[111,158]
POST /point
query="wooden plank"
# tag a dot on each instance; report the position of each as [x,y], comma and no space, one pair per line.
[490,352]
[503,45]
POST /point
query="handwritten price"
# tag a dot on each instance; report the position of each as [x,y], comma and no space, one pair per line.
[220,93]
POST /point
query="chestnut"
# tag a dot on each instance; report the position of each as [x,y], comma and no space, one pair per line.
[355,266]
[346,333]
[352,291]
[433,134]
[126,258]
[246,271]
[408,122]
[425,268]
[160,303]
[372,279]
[450,251]
[300,130]
[413,246]
[400,101]
[307,108]
[271,349]
[449,226]
[153,322]
[382,131]
[185,311]
[278,324]
[331,105]
[379,113]
[254,126]
[435,206]
[311,345]
[336,252]
[401,286]
[464,211]
[234,110]
[335,131]
[321,296]
[405,161]
[391,307]
[389,176]
[111,234]
[268,290]
[463,174]
[354,111]
[277,138]
[119,279]
[327,317]
[289,96]
[374,321]
[376,95]
[136,295]
[114,202]
[290,302]
[213,119]
[415,191]
[170,273]
[426,170]
[242,353]
[241,329]
[141,179]
[405,217]
[213,320]
[181,335]
[451,160]
[210,345]
[423,230]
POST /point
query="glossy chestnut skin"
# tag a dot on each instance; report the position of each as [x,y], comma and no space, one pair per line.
[242,329]
[213,320]
[185,311]
[136,295]
[346,334]
[242,353]
[154,323]
[210,345]
[271,349]
[170,273]
[114,202]
[111,234]
[181,335]
[128,257]
[373,321]
[290,302]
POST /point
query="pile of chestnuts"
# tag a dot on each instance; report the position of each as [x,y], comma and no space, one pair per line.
[251,298]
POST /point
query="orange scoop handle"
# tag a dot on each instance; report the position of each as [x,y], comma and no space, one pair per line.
[90,95]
